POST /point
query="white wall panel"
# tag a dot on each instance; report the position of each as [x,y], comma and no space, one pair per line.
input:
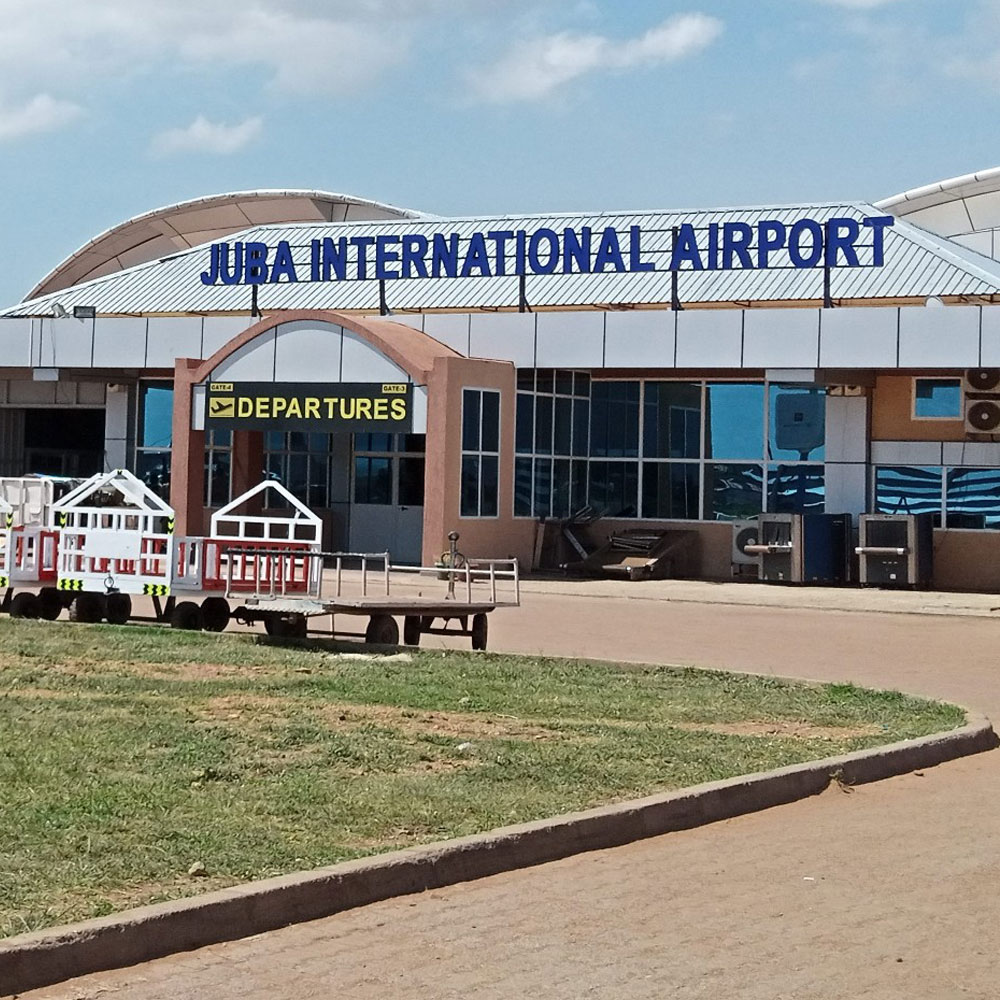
[781,338]
[846,488]
[939,336]
[452,330]
[420,409]
[503,337]
[569,339]
[25,392]
[15,342]
[991,337]
[219,330]
[120,342]
[858,338]
[846,428]
[198,407]
[639,338]
[172,337]
[308,351]
[951,217]
[972,453]
[66,343]
[906,453]
[363,363]
[710,338]
[984,210]
[253,362]
[980,242]
[116,427]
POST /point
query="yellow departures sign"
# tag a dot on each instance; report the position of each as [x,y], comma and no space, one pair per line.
[344,406]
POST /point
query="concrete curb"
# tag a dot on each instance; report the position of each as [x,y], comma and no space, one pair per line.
[30,961]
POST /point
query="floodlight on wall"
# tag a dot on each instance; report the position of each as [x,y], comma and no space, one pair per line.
[933,300]
[84,312]
[59,311]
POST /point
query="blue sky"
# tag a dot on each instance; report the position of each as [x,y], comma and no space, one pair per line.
[109,108]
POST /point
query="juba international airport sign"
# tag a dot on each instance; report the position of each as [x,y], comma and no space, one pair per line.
[310,406]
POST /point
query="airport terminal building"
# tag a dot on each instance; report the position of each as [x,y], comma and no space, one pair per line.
[408,375]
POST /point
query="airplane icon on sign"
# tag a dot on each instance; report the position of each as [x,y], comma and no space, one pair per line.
[222,407]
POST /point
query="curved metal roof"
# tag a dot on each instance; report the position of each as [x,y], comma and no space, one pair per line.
[966,208]
[188,224]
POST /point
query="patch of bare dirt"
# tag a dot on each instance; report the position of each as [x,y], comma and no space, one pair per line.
[786,729]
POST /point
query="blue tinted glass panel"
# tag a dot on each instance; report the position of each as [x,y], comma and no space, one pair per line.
[908,490]
[522,487]
[560,488]
[563,428]
[157,416]
[797,422]
[524,434]
[614,488]
[734,421]
[543,487]
[672,420]
[614,419]
[470,486]
[670,490]
[733,491]
[372,480]
[543,425]
[796,489]
[470,419]
[581,427]
[973,498]
[153,468]
[490,440]
[489,486]
[937,397]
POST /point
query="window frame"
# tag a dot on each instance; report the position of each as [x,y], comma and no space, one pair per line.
[479,453]
[914,416]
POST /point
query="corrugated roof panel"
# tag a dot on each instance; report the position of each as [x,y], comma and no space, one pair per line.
[917,264]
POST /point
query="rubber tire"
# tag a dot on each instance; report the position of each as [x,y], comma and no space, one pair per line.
[25,605]
[186,615]
[87,607]
[285,626]
[382,631]
[215,614]
[118,608]
[50,603]
[412,630]
[480,631]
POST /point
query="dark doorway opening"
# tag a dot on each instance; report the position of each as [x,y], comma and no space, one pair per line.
[64,442]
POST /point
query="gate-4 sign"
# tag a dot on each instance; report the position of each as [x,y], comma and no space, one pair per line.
[310,406]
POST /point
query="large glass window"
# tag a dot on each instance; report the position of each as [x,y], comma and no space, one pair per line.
[734,420]
[671,426]
[972,498]
[300,462]
[154,435]
[389,469]
[733,491]
[218,467]
[796,489]
[908,490]
[614,488]
[480,477]
[937,399]
[670,490]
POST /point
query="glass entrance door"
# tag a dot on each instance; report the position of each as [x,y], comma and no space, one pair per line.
[387,493]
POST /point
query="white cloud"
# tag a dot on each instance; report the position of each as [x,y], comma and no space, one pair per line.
[42,113]
[203,136]
[537,67]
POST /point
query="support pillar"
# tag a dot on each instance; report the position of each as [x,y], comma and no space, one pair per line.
[187,468]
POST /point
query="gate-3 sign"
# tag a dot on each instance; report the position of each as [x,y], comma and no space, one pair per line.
[310,406]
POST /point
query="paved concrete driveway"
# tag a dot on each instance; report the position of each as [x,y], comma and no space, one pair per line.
[889,892]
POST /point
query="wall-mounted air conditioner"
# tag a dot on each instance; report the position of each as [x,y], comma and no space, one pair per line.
[745,533]
[981,380]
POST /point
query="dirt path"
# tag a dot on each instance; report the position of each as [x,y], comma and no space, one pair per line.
[888,892]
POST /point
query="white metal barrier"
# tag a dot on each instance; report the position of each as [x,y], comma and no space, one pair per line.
[116,535]
[6,528]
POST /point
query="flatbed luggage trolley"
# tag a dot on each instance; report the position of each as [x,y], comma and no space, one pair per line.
[116,540]
[367,584]
[224,566]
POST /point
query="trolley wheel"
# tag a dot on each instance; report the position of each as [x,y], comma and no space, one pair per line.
[50,603]
[215,614]
[290,626]
[117,608]
[25,605]
[186,615]
[87,607]
[382,631]
[480,631]
[412,629]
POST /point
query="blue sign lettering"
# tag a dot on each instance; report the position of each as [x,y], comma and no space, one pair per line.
[769,243]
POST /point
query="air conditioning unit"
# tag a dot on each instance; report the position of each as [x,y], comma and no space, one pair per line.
[982,416]
[744,533]
[981,380]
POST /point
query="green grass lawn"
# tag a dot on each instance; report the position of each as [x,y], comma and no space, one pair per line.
[128,755]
